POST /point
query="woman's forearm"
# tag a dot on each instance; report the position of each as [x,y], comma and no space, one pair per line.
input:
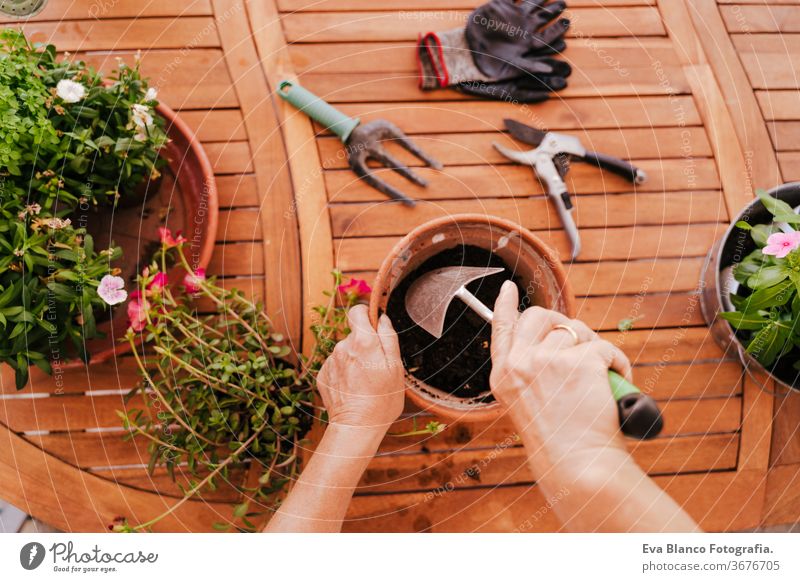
[318,502]
[606,491]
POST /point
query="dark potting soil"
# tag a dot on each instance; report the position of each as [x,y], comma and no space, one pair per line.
[459,362]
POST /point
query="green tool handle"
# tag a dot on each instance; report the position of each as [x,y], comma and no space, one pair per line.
[639,415]
[318,109]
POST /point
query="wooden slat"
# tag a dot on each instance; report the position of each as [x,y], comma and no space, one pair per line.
[237,259]
[569,114]
[232,157]
[754,19]
[185,79]
[239,225]
[741,104]
[790,165]
[406,25]
[663,346]
[216,124]
[599,244]
[75,378]
[347,5]
[612,277]
[71,10]
[506,465]
[145,33]
[278,222]
[517,180]
[476,148]
[779,105]
[368,219]
[768,59]
[618,54]
[71,412]
[160,481]
[237,191]
[654,310]
[785,135]
[786,429]
[593,81]
[783,495]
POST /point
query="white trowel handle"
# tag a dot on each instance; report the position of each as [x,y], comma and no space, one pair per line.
[475,304]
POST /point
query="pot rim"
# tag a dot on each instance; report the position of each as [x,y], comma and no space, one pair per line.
[493,410]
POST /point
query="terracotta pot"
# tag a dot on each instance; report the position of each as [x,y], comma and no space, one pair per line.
[531,260]
[717,283]
[188,190]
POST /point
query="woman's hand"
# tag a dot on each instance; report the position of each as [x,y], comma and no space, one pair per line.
[555,389]
[361,383]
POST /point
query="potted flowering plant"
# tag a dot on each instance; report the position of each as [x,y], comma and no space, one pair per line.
[71,142]
[752,291]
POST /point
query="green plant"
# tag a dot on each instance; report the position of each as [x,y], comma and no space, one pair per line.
[99,140]
[68,140]
[767,314]
[222,388]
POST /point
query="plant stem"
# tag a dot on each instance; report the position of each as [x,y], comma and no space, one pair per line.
[189,494]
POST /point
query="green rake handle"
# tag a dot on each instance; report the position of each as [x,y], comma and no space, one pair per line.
[639,415]
[318,109]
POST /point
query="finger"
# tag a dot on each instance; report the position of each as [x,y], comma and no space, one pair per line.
[361,330]
[613,357]
[388,339]
[535,323]
[505,319]
[560,338]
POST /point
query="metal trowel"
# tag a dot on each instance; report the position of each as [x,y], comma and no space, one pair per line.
[428,298]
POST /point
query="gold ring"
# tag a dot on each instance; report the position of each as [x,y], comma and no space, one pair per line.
[571,331]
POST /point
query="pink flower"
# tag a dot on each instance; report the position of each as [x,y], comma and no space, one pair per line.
[168,240]
[192,281]
[137,312]
[781,244]
[112,290]
[158,283]
[358,287]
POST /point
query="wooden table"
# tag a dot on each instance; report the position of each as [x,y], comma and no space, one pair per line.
[660,83]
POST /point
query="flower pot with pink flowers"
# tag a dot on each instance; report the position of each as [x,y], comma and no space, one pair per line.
[86,164]
[751,286]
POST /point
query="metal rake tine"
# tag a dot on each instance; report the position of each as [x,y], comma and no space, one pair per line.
[360,168]
[381,155]
[406,142]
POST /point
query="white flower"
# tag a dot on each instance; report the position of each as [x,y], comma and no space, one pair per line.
[112,290]
[151,95]
[70,91]
[141,116]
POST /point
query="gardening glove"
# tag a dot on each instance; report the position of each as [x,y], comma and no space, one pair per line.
[507,38]
[503,41]
[525,89]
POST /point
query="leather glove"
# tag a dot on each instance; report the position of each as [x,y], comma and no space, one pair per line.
[501,54]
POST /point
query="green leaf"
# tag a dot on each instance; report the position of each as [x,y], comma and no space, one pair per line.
[774,296]
[744,320]
[778,208]
[768,343]
[767,277]
[743,225]
[240,510]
